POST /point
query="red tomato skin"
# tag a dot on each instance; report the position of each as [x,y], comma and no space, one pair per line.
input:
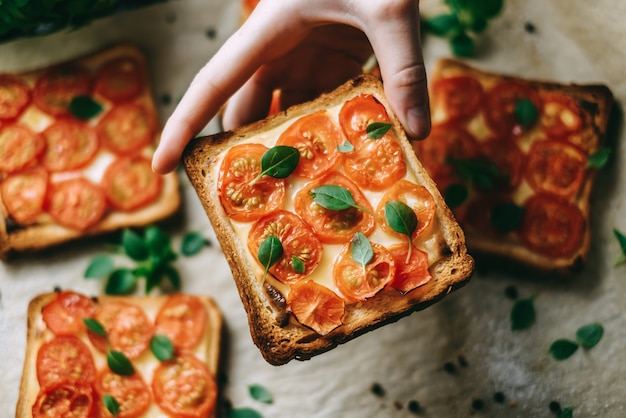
[182,318]
[64,399]
[457,97]
[20,148]
[55,89]
[412,274]
[24,194]
[509,160]
[127,128]
[316,306]
[561,116]
[120,80]
[65,358]
[14,97]
[64,314]
[76,203]
[129,183]
[357,114]
[499,107]
[70,145]
[131,393]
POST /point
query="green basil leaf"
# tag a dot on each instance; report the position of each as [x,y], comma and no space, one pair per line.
[563,349]
[525,112]
[244,413]
[121,282]
[478,24]
[600,158]
[455,195]
[360,249]
[522,314]
[345,147]
[260,393]
[162,347]
[172,276]
[158,242]
[376,130]
[95,326]
[279,161]
[134,246]
[111,404]
[270,251]
[567,412]
[141,271]
[193,243]
[589,335]
[119,363]
[298,265]
[506,217]
[490,8]
[153,279]
[479,172]
[100,266]
[621,239]
[332,197]
[443,25]
[462,45]
[84,107]
[400,217]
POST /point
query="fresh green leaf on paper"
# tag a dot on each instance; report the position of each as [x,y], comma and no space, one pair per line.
[260,393]
[589,335]
[193,243]
[122,281]
[563,349]
[522,314]
[100,266]
[244,413]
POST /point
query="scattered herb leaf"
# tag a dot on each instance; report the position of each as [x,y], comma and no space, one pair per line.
[567,412]
[100,266]
[270,251]
[94,326]
[244,413]
[278,162]
[443,25]
[345,147]
[119,363]
[455,195]
[402,219]
[376,130]
[599,158]
[462,45]
[122,281]
[193,243]
[522,314]
[589,335]
[298,265]
[84,107]
[525,112]
[361,249]
[111,404]
[159,243]
[562,349]
[260,393]
[506,217]
[134,246]
[621,239]
[333,197]
[162,347]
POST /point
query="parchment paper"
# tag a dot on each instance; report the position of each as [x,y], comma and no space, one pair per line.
[573,41]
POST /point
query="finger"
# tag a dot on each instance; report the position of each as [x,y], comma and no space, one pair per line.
[250,103]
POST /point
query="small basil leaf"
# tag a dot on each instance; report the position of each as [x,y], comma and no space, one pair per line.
[298,265]
[332,197]
[562,349]
[270,251]
[162,347]
[173,276]
[589,335]
[96,327]
[111,404]
[462,45]
[478,24]
[525,112]
[193,243]
[260,393]
[455,195]
[244,413]
[134,246]
[567,412]
[376,130]
[158,242]
[361,249]
[621,239]
[100,266]
[121,282]
[84,107]
[490,8]
[119,363]
[141,271]
[506,217]
[279,161]
[153,279]
[400,217]
[345,147]
[600,158]
[522,314]
[443,25]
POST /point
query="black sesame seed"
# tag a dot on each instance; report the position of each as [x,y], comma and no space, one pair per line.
[478,404]
[499,397]
[211,33]
[555,407]
[57,289]
[166,99]
[529,27]
[511,292]
[449,367]
[462,361]
[414,406]
[377,389]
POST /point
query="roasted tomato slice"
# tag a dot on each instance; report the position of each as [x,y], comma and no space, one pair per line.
[456,98]
[357,282]
[357,114]
[376,164]
[65,358]
[14,96]
[297,240]
[64,314]
[183,320]
[127,128]
[70,145]
[24,193]
[334,226]
[509,160]
[316,306]
[64,399]
[55,89]
[317,137]
[120,79]
[184,387]
[561,115]
[19,147]
[556,167]
[500,106]
[417,198]
[128,328]
[129,183]
[243,198]
[552,227]
[131,393]
[411,272]
[76,203]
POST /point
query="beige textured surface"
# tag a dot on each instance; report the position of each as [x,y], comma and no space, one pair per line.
[575,41]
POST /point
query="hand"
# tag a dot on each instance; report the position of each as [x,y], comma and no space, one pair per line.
[304,48]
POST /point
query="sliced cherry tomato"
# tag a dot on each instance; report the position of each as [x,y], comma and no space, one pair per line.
[183,319]
[19,147]
[131,393]
[243,198]
[446,142]
[317,137]
[129,183]
[275,103]
[556,167]
[127,128]
[14,96]
[76,203]
[120,79]
[376,164]
[316,306]
[561,115]
[128,328]
[24,193]
[417,198]
[358,113]
[334,226]
[552,227]
[55,89]
[64,400]
[500,106]
[357,282]
[411,272]
[456,98]
[509,160]
[184,387]
[64,314]
[297,240]
[65,358]
[70,145]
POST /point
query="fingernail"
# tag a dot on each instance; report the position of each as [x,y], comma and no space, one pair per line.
[418,121]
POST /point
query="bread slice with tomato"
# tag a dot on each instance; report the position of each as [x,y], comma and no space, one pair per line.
[515,160]
[76,142]
[138,356]
[329,223]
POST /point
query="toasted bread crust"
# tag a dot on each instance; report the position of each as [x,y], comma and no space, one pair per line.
[279,338]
